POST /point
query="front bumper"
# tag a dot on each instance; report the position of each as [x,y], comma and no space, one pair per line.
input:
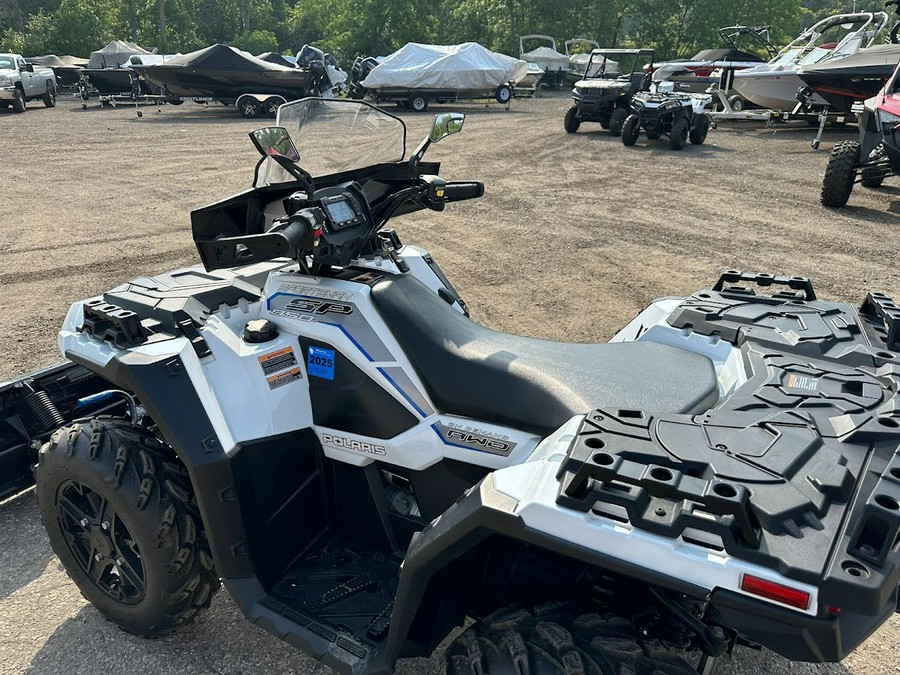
[7,93]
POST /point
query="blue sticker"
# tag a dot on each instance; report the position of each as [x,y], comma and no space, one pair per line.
[320,363]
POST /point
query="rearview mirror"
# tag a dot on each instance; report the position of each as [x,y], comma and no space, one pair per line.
[275,142]
[29,67]
[446,124]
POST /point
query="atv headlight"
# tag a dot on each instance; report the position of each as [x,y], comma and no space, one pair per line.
[888,120]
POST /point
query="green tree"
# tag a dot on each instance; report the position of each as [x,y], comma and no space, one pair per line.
[256,42]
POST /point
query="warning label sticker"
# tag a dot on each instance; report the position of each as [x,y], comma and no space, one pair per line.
[803,382]
[274,362]
[282,379]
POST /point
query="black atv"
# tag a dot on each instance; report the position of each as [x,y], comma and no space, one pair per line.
[678,116]
[611,79]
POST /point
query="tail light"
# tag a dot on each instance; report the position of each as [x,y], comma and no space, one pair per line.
[770,590]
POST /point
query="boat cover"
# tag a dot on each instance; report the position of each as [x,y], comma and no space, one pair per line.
[547,56]
[877,57]
[114,55]
[724,54]
[54,61]
[458,67]
[223,57]
[279,59]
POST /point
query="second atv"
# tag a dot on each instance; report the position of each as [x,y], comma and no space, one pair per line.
[678,116]
[611,79]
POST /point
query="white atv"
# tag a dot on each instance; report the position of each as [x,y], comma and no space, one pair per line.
[311,417]
[664,112]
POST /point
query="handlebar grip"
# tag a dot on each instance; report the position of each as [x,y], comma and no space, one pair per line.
[456,191]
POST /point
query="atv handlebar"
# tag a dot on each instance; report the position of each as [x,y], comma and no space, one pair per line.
[457,191]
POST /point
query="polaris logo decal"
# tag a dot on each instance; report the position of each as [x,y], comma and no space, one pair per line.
[473,439]
[350,444]
[312,306]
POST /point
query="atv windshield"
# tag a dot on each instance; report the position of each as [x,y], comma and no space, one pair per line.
[336,135]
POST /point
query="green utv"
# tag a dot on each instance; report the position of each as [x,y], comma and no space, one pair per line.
[612,77]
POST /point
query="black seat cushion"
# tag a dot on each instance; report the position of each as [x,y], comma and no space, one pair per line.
[529,384]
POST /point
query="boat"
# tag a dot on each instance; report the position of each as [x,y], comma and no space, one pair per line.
[225,73]
[578,51]
[66,68]
[698,73]
[774,85]
[553,64]
[843,82]
[527,85]
[107,70]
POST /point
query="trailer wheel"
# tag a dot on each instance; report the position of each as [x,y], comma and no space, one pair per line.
[121,514]
[631,129]
[616,120]
[271,104]
[18,104]
[49,97]
[840,174]
[699,132]
[678,134]
[571,121]
[174,101]
[736,103]
[418,103]
[249,108]
[550,641]
[503,93]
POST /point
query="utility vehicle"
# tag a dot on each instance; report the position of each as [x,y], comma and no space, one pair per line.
[604,94]
[678,116]
[875,156]
[311,417]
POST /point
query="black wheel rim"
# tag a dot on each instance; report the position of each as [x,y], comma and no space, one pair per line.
[101,543]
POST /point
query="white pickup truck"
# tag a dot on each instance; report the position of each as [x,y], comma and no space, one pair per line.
[21,82]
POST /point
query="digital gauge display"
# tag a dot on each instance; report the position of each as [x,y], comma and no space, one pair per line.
[341,212]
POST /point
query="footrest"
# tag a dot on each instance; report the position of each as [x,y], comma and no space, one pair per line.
[357,584]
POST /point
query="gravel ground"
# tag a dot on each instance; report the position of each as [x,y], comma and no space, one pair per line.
[574,235]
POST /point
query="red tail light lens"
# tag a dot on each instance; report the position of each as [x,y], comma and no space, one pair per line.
[777,592]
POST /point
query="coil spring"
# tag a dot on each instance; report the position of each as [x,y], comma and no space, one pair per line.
[44,410]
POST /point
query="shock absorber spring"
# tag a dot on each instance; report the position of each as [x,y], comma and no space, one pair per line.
[47,414]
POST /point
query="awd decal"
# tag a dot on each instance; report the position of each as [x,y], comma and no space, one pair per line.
[350,444]
[464,437]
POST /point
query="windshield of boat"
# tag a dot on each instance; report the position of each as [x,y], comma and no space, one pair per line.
[786,57]
[337,135]
[816,55]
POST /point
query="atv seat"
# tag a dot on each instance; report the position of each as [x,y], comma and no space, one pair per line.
[530,384]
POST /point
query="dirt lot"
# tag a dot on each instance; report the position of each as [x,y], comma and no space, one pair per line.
[574,235]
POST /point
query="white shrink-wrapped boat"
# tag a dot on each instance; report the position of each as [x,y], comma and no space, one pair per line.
[417,74]
[554,64]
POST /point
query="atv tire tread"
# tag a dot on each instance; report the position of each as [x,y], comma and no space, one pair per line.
[617,121]
[840,174]
[551,640]
[571,121]
[133,462]
[678,135]
[631,129]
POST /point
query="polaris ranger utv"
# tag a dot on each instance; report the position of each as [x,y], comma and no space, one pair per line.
[604,95]
[311,417]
